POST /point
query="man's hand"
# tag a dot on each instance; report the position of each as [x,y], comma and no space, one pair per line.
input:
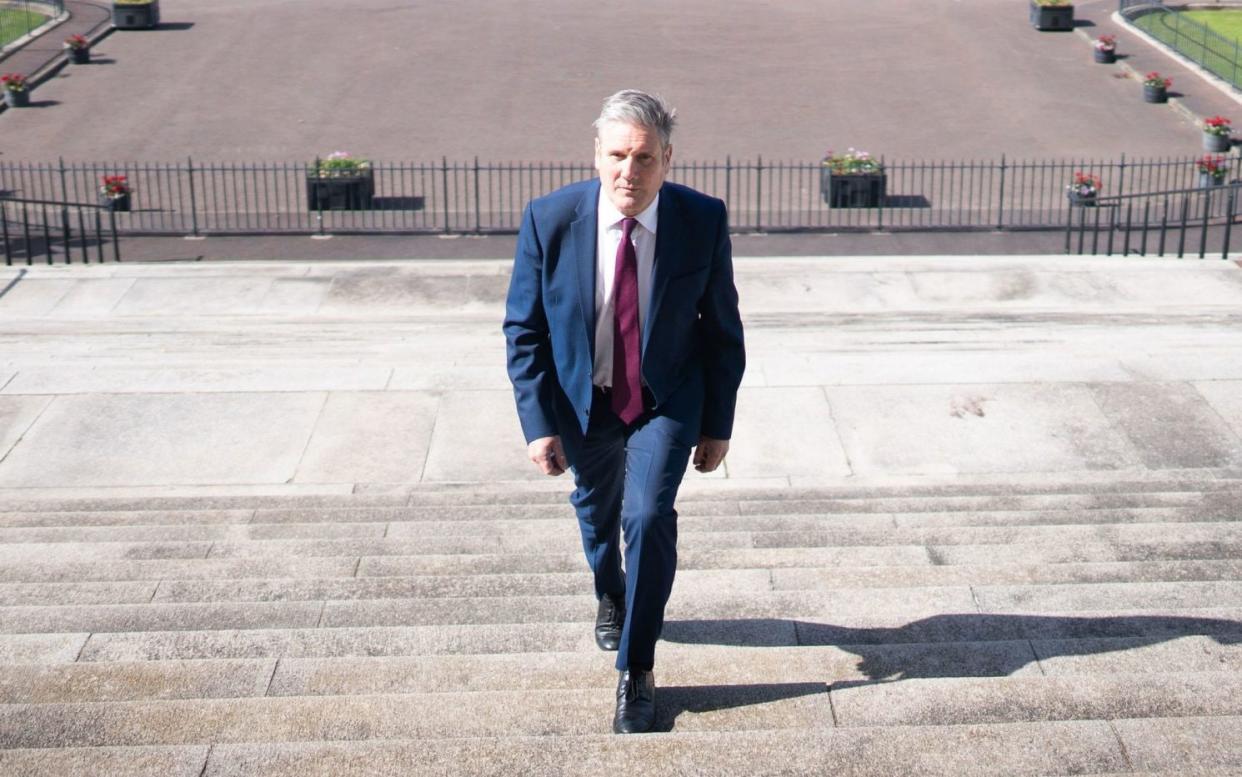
[548,455]
[709,453]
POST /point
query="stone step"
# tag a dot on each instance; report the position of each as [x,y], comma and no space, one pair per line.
[142,680]
[1079,492]
[950,701]
[690,580]
[1076,747]
[565,539]
[106,762]
[704,604]
[557,716]
[1023,750]
[680,665]
[402,716]
[406,528]
[871,629]
[54,571]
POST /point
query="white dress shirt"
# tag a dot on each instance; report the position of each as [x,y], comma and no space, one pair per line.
[609,237]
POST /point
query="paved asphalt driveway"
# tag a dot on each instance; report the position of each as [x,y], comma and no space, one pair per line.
[522,80]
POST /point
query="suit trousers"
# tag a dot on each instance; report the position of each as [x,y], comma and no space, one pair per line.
[626,479]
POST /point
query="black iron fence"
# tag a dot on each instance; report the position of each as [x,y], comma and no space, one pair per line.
[193,198]
[47,231]
[1216,53]
[22,17]
[1184,222]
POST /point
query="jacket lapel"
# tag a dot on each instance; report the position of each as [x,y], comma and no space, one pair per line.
[584,236]
[669,249]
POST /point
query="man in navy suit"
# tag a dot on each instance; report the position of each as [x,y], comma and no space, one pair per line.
[625,351]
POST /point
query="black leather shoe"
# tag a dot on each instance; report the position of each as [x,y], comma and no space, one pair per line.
[609,620]
[635,702]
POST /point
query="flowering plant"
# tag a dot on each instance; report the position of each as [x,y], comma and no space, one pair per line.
[14,82]
[1213,165]
[1217,125]
[1085,184]
[115,186]
[852,161]
[76,42]
[1106,43]
[339,164]
[1155,79]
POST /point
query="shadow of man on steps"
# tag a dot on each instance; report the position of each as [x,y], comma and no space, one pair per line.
[950,645]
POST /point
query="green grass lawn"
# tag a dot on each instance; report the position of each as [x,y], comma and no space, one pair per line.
[16,23]
[1221,52]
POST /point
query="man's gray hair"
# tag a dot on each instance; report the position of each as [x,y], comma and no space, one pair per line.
[631,106]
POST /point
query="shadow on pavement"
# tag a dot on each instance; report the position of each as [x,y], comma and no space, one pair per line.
[885,654]
[674,700]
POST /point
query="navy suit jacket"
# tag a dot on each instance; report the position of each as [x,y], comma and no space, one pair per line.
[692,348]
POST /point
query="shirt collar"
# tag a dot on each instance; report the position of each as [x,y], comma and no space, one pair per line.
[610,217]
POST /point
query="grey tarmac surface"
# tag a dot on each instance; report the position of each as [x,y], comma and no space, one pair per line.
[259,80]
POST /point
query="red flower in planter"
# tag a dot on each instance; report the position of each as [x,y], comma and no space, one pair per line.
[14,82]
[1217,125]
[1155,79]
[76,42]
[115,186]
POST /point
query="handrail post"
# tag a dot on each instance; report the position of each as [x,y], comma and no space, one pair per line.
[189,161]
[759,195]
[445,191]
[478,215]
[1000,196]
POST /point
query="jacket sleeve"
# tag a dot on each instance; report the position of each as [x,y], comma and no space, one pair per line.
[527,344]
[724,351]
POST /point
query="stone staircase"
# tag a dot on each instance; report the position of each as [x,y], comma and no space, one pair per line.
[1054,624]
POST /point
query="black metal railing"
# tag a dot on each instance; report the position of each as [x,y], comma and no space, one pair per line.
[1198,222]
[1216,53]
[57,230]
[193,198]
[26,16]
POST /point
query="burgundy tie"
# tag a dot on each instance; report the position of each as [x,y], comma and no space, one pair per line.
[627,389]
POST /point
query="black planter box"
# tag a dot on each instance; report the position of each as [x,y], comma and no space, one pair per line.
[1155,94]
[115,204]
[135,17]
[78,56]
[1052,17]
[1081,200]
[354,192]
[852,190]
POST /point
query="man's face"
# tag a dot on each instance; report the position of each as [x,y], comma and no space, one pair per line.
[632,163]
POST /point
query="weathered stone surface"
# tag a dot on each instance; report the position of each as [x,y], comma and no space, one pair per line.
[177,569]
[40,648]
[82,518]
[1104,596]
[144,680]
[948,751]
[342,642]
[239,438]
[376,435]
[1139,655]
[948,701]
[186,761]
[159,617]
[1182,743]
[29,594]
[404,716]
[1170,424]
[1000,574]
[689,582]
